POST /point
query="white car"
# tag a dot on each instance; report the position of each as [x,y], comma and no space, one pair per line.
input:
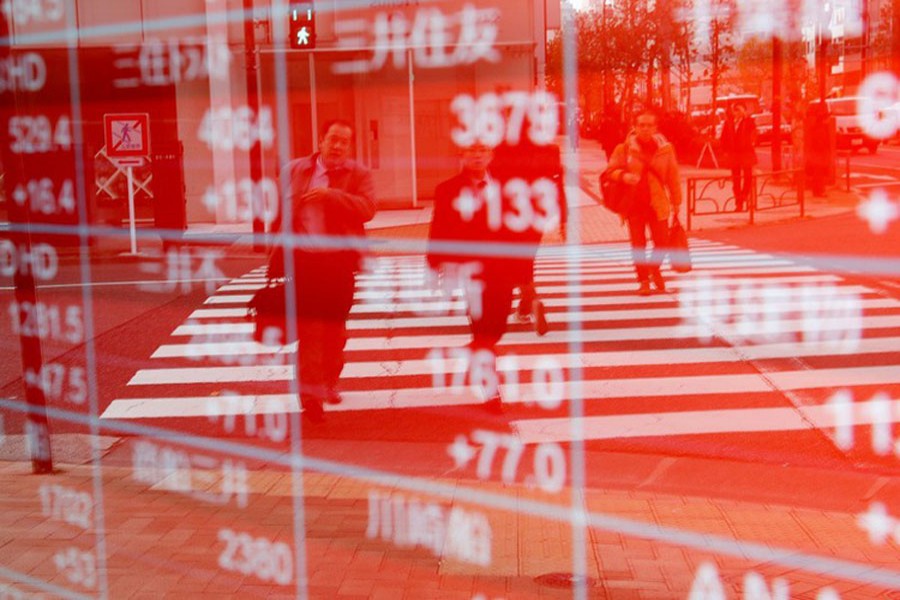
[764,126]
[849,123]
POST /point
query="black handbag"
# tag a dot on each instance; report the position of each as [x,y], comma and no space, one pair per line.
[267,311]
[679,256]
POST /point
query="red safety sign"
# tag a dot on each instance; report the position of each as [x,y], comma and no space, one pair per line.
[127,136]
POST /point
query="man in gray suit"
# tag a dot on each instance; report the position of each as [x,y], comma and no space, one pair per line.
[331,197]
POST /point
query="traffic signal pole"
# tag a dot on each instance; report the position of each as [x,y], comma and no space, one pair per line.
[253,103]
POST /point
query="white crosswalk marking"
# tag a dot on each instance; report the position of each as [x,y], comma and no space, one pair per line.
[406,343]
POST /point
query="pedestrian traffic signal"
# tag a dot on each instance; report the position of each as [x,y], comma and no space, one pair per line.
[302,26]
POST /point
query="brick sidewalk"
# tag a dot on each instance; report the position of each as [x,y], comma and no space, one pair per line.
[160,543]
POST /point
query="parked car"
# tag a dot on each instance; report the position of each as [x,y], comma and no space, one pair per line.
[894,111]
[764,124]
[751,102]
[849,130]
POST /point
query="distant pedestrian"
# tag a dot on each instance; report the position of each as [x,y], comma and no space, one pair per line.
[612,132]
[739,143]
[330,195]
[817,146]
[646,160]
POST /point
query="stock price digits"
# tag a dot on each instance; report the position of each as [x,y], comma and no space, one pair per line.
[77,566]
[274,426]
[245,554]
[58,383]
[65,504]
[548,383]
[492,119]
[23,12]
[548,463]
[240,128]
[245,199]
[46,322]
[879,411]
[43,199]
[517,215]
[37,134]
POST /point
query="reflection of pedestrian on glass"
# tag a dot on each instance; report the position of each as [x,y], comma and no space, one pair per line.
[817,142]
[461,206]
[612,131]
[536,165]
[739,143]
[331,197]
[646,160]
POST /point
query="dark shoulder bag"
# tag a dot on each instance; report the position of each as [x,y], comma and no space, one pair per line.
[617,195]
[679,256]
[267,311]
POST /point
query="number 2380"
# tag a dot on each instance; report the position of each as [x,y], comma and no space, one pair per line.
[267,560]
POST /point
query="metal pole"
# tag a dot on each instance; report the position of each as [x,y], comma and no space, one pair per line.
[690,195]
[802,192]
[847,170]
[256,205]
[895,37]
[132,232]
[313,102]
[37,423]
[604,74]
[777,63]
[822,60]
[752,198]
[412,129]
[864,41]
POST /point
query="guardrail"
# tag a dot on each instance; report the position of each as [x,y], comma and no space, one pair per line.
[839,157]
[769,190]
[779,189]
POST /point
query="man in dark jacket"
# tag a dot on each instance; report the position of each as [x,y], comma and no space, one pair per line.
[739,141]
[540,166]
[330,198]
[468,213]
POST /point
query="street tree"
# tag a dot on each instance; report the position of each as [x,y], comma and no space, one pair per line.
[720,54]
[753,66]
[626,52]
[684,52]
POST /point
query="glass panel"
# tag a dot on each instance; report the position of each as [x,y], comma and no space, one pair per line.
[470,299]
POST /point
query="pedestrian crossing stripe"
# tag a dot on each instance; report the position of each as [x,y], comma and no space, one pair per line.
[604,279]
[555,336]
[438,303]
[419,279]
[569,316]
[635,358]
[595,359]
[543,430]
[423,292]
[689,422]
